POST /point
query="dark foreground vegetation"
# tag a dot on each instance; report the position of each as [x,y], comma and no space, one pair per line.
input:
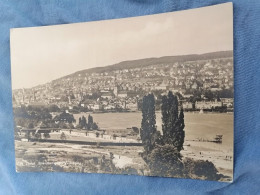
[162,152]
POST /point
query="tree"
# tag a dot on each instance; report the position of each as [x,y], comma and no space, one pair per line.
[209,95]
[172,122]
[54,108]
[165,161]
[66,117]
[30,126]
[83,122]
[90,121]
[38,136]
[79,121]
[169,115]
[46,135]
[95,126]
[63,136]
[180,134]
[148,125]
[200,169]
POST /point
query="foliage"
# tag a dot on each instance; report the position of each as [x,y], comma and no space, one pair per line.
[165,161]
[200,169]
[30,116]
[54,108]
[90,121]
[90,125]
[30,126]
[66,117]
[148,125]
[226,93]
[82,122]
[135,129]
[46,135]
[63,136]
[162,153]
[172,122]
[38,136]
[95,126]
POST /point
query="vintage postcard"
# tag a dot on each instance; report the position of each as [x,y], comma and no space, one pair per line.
[150,95]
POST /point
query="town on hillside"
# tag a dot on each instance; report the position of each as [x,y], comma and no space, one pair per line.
[201,85]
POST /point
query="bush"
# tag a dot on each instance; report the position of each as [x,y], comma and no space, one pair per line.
[46,135]
[63,136]
[38,136]
[165,161]
[95,126]
[200,169]
[30,126]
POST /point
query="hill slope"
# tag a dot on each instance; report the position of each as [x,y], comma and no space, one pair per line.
[151,61]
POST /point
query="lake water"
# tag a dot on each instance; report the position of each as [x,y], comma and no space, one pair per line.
[204,126]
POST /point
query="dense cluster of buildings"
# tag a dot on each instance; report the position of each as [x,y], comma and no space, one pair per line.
[123,88]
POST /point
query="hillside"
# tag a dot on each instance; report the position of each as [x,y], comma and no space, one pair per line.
[151,61]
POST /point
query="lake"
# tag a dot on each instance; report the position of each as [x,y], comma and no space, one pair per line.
[204,126]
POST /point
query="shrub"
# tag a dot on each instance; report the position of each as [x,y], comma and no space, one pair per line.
[165,161]
[200,169]
[38,136]
[63,136]
[46,135]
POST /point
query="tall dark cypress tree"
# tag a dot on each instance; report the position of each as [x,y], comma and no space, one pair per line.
[148,126]
[90,122]
[172,121]
[180,131]
[80,121]
[83,122]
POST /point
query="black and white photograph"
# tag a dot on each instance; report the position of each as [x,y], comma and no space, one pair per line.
[149,95]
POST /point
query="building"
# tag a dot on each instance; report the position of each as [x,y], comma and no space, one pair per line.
[122,94]
[214,89]
[207,104]
[131,106]
[107,95]
[162,86]
[187,105]
[97,107]
[227,102]
[109,107]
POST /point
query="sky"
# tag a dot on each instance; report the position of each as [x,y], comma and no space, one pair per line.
[42,54]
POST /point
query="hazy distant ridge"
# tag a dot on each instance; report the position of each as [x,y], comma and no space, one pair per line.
[152,61]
